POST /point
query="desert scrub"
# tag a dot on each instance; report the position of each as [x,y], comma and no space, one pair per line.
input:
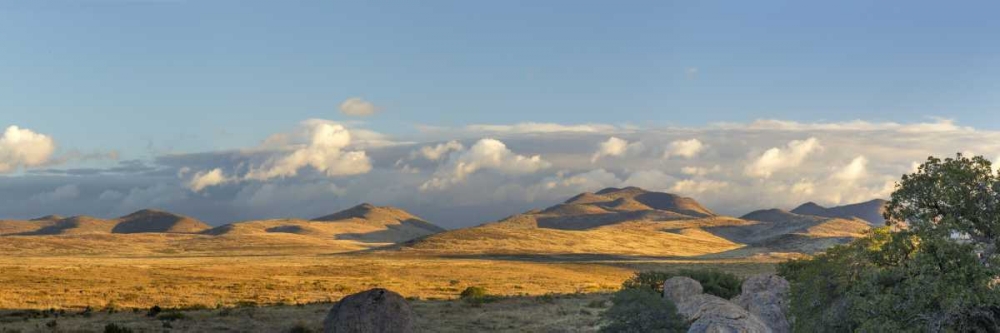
[115,328]
[713,282]
[641,310]
[476,295]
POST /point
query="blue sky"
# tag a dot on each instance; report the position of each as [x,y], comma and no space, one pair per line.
[823,101]
[200,75]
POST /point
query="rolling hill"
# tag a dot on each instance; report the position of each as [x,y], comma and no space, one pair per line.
[870,211]
[784,231]
[629,221]
[362,223]
[143,221]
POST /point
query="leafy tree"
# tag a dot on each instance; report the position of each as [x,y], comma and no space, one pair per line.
[932,269]
[642,310]
[713,282]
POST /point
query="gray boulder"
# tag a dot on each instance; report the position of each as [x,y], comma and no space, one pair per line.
[376,311]
[708,313]
[766,296]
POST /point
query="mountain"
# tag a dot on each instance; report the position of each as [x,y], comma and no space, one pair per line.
[785,231]
[613,221]
[152,221]
[870,211]
[364,223]
[143,221]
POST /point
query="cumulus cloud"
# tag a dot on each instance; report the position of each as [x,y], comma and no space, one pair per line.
[684,148]
[700,171]
[204,179]
[616,147]
[853,171]
[776,159]
[489,154]
[355,106]
[325,151]
[693,186]
[436,152]
[22,147]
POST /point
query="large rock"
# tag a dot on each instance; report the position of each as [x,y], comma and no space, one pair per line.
[766,296]
[376,311]
[708,313]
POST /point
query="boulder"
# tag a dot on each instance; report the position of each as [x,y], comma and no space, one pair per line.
[708,313]
[376,311]
[766,296]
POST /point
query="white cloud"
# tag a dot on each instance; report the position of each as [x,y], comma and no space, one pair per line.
[542,128]
[324,151]
[436,152]
[616,147]
[856,170]
[939,125]
[684,148]
[700,171]
[205,179]
[486,154]
[355,106]
[21,147]
[692,186]
[803,187]
[776,159]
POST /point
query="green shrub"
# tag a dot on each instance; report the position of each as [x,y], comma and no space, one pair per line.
[722,284]
[642,310]
[171,316]
[476,295]
[114,328]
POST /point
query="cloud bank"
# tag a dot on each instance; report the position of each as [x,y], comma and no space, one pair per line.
[456,178]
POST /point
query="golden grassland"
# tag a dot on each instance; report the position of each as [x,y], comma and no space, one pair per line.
[103,282]
[547,313]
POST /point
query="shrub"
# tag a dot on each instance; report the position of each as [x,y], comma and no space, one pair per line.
[642,310]
[476,295]
[115,328]
[154,311]
[722,284]
[171,316]
[300,328]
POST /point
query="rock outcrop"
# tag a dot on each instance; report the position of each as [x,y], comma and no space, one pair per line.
[375,311]
[766,296]
[709,313]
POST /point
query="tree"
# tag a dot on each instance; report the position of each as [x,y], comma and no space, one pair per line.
[933,268]
[951,198]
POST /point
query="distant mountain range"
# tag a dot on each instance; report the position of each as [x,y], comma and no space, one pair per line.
[614,221]
[870,211]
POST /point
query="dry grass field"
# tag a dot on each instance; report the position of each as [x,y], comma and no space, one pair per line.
[255,293]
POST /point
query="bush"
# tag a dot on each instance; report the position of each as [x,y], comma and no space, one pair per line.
[476,295]
[114,328]
[642,310]
[153,311]
[722,284]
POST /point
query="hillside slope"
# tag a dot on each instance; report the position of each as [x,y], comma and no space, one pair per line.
[870,211]
[628,221]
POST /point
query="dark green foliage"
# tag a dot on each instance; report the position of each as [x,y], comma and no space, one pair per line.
[722,284]
[154,311]
[115,328]
[171,316]
[642,310]
[476,295]
[933,274]
[299,328]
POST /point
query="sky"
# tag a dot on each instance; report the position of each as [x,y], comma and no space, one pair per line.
[464,111]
